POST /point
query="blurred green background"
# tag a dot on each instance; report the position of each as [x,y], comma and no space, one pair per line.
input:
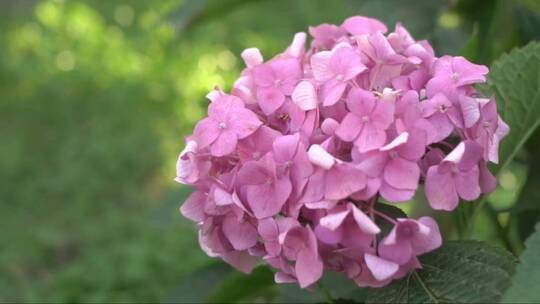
[95,98]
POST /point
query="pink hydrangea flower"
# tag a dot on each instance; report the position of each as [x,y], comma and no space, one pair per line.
[289,169]
[228,120]
[457,176]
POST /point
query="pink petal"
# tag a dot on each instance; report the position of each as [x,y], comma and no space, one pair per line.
[281,277]
[318,156]
[324,204]
[365,223]
[468,72]
[470,110]
[359,25]
[222,197]
[415,147]
[370,138]
[223,106]
[244,122]
[308,268]
[314,192]
[242,235]
[305,96]
[297,46]
[193,207]
[328,236]
[401,139]
[288,72]
[240,260]
[285,147]
[380,268]
[320,66]
[270,99]
[442,125]
[440,190]
[395,195]
[329,126]
[332,92]
[372,187]
[402,174]
[334,219]
[423,243]
[399,252]
[264,201]
[225,144]
[345,64]
[263,75]
[488,182]
[373,163]
[502,130]
[342,181]
[350,127]
[383,114]
[253,173]
[439,84]
[252,57]
[383,49]
[468,184]
[206,131]
[360,102]
[471,156]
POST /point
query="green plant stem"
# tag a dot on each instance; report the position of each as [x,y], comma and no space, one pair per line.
[472,219]
[501,231]
[326,293]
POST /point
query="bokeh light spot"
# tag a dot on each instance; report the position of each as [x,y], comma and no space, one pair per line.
[124,15]
[65,61]
[508,180]
[449,20]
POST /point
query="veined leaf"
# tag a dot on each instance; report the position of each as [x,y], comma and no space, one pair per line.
[515,80]
[525,284]
[458,272]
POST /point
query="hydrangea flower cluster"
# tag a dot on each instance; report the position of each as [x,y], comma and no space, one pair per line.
[288,168]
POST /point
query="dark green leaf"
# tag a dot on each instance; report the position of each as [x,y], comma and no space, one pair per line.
[515,79]
[238,287]
[458,272]
[390,210]
[471,48]
[525,283]
[533,5]
[196,286]
[337,285]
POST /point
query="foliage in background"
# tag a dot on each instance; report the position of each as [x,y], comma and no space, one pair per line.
[95,96]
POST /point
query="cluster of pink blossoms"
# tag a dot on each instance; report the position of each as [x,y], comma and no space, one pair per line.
[288,168]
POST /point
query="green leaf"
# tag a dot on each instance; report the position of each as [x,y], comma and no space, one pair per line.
[239,287]
[338,286]
[196,286]
[391,211]
[533,5]
[471,48]
[525,283]
[458,272]
[515,79]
